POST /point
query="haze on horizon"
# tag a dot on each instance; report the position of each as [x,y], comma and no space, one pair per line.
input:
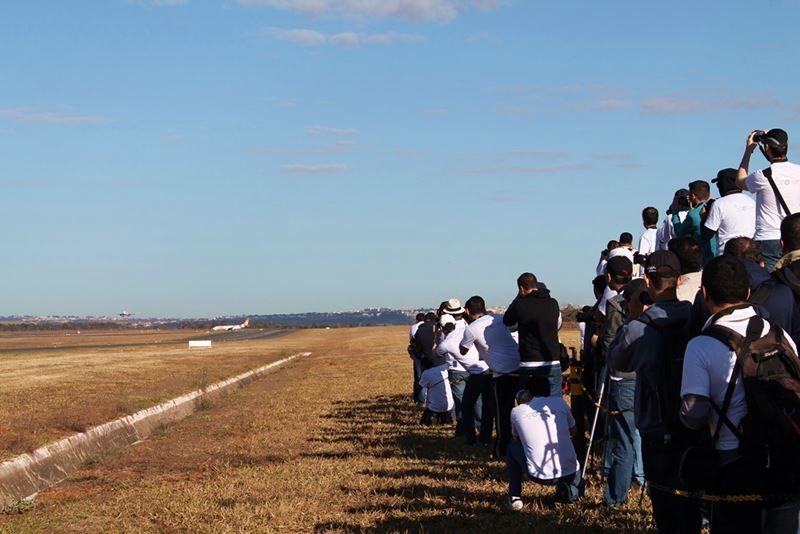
[180,158]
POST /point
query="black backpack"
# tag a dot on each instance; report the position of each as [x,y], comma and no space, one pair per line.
[665,395]
[770,432]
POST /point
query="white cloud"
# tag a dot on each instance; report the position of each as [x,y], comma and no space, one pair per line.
[308,37]
[410,10]
[159,2]
[700,101]
[328,168]
[302,36]
[501,169]
[47,117]
[318,130]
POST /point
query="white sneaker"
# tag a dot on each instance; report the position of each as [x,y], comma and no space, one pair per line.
[514,504]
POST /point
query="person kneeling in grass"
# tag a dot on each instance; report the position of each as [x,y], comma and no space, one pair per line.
[542,447]
[440,402]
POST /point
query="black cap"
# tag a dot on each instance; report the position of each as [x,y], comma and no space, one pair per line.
[776,137]
[619,266]
[662,263]
[726,181]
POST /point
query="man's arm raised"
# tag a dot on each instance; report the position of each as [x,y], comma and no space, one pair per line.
[743,171]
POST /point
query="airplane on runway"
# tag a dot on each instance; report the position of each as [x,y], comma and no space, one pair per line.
[226,327]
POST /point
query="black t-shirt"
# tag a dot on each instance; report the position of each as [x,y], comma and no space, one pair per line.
[536,316]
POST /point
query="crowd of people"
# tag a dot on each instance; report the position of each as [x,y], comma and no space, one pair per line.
[688,362]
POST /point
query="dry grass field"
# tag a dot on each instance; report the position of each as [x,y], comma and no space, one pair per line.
[50,393]
[328,444]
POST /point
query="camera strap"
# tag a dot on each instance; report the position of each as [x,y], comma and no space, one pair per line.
[768,174]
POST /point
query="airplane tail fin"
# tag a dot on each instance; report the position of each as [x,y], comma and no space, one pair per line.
[246,323]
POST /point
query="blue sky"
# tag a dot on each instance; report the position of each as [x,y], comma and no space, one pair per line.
[202,157]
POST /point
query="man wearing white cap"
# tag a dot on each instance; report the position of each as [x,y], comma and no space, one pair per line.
[453,313]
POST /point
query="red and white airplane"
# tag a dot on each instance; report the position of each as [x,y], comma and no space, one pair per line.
[226,327]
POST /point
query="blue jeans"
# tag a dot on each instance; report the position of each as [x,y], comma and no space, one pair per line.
[623,446]
[569,488]
[771,252]
[419,392]
[478,408]
[551,372]
[458,381]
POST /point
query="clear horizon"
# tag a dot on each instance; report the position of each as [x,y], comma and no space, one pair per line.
[179,158]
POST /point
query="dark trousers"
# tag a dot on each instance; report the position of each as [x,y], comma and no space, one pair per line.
[439,418]
[418,392]
[672,514]
[505,391]
[739,477]
[478,404]
[458,382]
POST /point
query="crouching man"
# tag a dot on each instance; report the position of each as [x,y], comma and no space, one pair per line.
[440,405]
[542,447]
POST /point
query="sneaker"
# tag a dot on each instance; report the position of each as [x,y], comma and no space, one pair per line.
[514,504]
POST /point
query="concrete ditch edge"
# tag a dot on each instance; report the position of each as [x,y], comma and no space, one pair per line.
[28,474]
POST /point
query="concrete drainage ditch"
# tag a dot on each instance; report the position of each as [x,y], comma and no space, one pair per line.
[26,475]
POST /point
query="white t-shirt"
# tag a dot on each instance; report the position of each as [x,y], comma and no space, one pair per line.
[542,425]
[608,294]
[689,286]
[413,331]
[732,216]
[449,348]
[648,241]
[601,267]
[494,343]
[707,369]
[667,231]
[647,245]
[440,396]
[769,214]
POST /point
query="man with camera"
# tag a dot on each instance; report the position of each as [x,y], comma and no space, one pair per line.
[536,315]
[679,207]
[777,189]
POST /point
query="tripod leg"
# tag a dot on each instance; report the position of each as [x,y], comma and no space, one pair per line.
[594,427]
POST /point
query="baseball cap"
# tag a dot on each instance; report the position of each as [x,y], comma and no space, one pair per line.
[619,266]
[453,307]
[663,263]
[776,137]
[447,319]
[726,180]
